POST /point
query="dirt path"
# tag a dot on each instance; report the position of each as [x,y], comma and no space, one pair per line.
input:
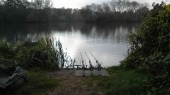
[71,85]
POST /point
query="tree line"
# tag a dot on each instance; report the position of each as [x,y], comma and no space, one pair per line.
[121,10]
[43,11]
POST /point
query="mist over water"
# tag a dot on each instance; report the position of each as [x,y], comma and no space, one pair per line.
[106,41]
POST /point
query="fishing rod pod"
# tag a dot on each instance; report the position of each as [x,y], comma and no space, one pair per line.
[98,65]
[83,67]
[91,66]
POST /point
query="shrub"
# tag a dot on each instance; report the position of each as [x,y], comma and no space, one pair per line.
[150,48]
[43,54]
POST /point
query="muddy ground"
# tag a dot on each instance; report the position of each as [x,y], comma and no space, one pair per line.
[71,85]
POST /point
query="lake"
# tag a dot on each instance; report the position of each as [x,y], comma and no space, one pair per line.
[105,42]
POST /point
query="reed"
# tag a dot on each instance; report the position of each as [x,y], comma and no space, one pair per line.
[42,53]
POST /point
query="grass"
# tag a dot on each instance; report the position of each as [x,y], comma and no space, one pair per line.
[44,53]
[38,83]
[122,82]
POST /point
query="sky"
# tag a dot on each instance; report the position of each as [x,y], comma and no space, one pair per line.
[81,3]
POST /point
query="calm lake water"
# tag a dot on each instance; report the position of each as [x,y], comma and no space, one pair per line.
[107,42]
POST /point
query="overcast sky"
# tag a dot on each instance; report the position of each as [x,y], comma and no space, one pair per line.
[82,3]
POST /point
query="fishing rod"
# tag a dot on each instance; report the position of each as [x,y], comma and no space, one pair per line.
[73,62]
[93,56]
[91,66]
[83,66]
[98,64]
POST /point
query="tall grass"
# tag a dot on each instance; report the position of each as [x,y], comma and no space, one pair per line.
[42,53]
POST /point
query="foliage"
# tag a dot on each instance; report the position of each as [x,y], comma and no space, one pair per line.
[123,82]
[27,54]
[149,51]
[42,11]
[37,84]
[115,10]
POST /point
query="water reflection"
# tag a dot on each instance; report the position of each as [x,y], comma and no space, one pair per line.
[107,42]
[16,32]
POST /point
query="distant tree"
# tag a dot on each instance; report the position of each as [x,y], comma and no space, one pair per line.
[93,7]
[76,15]
[14,4]
[48,4]
[115,10]
[106,8]
[113,6]
[43,11]
[119,5]
[100,9]
[38,4]
[26,3]
[86,13]
[135,5]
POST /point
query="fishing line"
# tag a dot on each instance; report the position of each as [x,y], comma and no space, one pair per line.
[83,67]
[98,65]
[91,66]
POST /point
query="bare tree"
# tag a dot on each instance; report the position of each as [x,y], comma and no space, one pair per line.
[48,4]
[145,5]
[93,7]
[106,7]
[100,9]
[113,6]
[40,4]
[26,3]
[119,5]
[124,5]
[129,6]
[135,5]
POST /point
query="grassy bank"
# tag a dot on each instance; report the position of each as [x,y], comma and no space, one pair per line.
[37,83]
[122,82]
[38,58]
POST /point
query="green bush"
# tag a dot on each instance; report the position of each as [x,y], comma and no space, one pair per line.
[150,48]
[43,54]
